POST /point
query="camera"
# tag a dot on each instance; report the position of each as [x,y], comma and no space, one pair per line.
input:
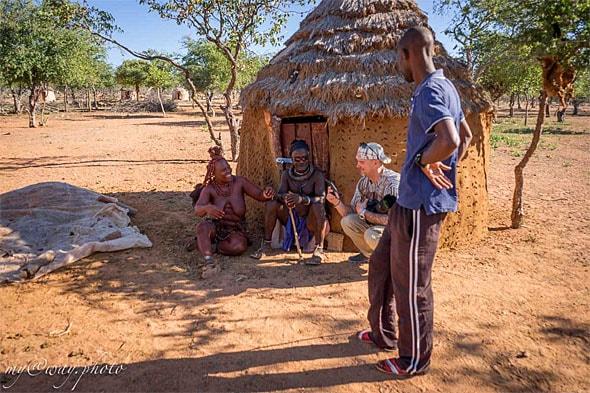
[381,207]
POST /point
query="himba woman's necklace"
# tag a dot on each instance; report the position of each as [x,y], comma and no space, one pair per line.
[220,191]
[301,178]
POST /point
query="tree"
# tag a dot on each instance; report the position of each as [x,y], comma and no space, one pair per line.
[210,69]
[133,73]
[557,33]
[482,29]
[160,75]
[231,25]
[582,90]
[36,49]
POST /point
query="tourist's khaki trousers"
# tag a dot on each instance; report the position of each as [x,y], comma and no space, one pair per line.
[365,236]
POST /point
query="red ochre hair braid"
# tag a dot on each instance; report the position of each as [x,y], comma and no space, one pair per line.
[216,154]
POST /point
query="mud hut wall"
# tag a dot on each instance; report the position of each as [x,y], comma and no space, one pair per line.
[257,162]
[470,222]
[344,139]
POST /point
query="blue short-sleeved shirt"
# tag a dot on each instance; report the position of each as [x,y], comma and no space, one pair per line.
[434,100]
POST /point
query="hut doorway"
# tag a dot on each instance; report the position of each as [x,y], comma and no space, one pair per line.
[313,130]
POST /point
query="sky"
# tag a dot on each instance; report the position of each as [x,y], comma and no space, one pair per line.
[144,30]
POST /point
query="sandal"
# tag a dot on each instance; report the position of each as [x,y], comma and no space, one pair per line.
[317,258]
[366,336]
[390,366]
[262,251]
[191,245]
[210,269]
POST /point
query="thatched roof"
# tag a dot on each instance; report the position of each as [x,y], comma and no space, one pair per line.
[342,63]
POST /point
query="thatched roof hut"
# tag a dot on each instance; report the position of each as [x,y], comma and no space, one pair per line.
[179,93]
[336,85]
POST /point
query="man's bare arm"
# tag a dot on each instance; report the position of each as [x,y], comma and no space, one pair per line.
[465,137]
[376,218]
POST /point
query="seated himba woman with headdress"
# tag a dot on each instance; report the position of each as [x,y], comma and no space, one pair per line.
[222,201]
[302,189]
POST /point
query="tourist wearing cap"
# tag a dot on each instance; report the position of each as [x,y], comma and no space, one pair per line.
[365,218]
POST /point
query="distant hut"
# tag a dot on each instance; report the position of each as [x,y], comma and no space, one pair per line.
[127,95]
[180,94]
[47,95]
[336,85]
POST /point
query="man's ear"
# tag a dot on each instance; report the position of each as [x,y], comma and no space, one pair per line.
[406,53]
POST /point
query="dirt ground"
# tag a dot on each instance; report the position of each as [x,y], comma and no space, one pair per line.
[511,311]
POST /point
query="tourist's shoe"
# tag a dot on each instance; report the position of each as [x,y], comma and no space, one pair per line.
[358,259]
[390,366]
[366,337]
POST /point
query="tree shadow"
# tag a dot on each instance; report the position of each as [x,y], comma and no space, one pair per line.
[499,229]
[166,276]
[256,370]
[546,131]
[14,164]
[505,370]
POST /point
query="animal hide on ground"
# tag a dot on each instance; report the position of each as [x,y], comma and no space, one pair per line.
[48,225]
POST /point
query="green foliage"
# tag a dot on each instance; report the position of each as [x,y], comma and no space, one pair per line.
[210,69]
[582,86]
[230,22]
[248,68]
[496,35]
[38,48]
[133,73]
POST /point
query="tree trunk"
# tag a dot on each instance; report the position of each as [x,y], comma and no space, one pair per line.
[526,109]
[88,104]
[17,97]
[33,98]
[66,98]
[576,104]
[517,209]
[161,103]
[43,121]
[137,93]
[210,107]
[233,127]
[94,98]
[561,115]
[511,114]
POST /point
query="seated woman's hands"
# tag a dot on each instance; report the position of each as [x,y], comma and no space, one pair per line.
[269,193]
[214,212]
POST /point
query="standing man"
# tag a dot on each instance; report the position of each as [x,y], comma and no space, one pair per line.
[437,139]
[365,219]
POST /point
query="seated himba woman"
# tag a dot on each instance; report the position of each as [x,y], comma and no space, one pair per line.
[222,201]
[302,189]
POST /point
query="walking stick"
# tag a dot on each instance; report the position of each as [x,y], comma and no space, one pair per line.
[295,233]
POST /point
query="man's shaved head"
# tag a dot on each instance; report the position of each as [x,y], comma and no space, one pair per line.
[417,37]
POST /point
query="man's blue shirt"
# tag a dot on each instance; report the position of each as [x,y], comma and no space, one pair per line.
[434,100]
